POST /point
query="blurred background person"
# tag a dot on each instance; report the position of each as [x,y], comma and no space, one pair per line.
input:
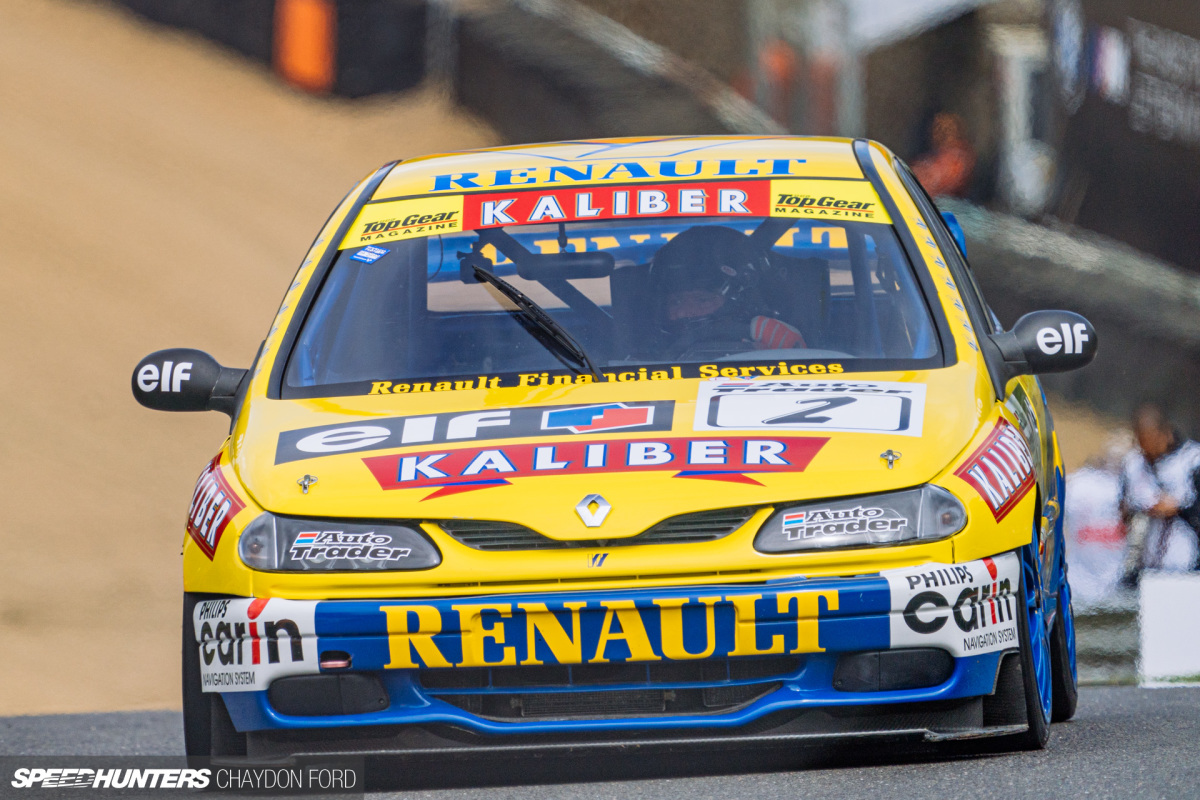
[948,168]
[1160,496]
[1094,529]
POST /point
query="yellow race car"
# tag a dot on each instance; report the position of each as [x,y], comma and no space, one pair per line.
[657,442]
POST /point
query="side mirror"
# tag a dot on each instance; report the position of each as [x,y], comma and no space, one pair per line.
[180,379]
[1047,341]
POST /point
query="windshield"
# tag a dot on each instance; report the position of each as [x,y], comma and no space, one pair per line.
[720,296]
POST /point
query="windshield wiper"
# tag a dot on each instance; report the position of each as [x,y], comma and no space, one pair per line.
[553,336]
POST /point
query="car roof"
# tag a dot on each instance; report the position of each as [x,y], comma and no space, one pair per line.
[628,160]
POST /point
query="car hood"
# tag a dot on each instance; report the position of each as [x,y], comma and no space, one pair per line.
[650,449]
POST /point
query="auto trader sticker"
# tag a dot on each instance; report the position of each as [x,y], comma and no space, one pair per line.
[968,609]
[214,504]
[498,464]
[811,405]
[1001,469]
[246,643]
[501,423]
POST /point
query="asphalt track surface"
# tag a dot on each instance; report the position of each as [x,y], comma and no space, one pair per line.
[1124,742]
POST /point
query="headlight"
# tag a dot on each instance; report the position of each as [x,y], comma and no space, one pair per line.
[283,544]
[923,514]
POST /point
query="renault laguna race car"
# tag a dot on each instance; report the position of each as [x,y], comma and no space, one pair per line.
[651,442]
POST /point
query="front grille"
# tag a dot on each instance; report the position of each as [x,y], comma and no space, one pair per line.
[617,703]
[657,673]
[581,703]
[701,526]
[637,689]
[483,534]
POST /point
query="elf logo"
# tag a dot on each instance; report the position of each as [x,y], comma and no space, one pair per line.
[497,423]
[172,376]
[1070,341]
[594,419]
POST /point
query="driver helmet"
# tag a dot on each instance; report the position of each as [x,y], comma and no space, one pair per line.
[705,272]
[709,282]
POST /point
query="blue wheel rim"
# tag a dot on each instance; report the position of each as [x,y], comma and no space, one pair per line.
[1039,637]
[1068,617]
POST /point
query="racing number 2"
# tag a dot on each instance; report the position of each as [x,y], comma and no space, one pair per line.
[808,416]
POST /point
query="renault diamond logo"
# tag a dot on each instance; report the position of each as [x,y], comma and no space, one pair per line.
[592,510]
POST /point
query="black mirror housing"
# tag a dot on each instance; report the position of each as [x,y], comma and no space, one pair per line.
[1047,341]
[181,379]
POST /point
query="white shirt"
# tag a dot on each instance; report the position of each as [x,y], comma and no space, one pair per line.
[1171,545]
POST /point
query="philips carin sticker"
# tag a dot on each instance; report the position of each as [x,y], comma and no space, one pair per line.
[967,609]
[246,643]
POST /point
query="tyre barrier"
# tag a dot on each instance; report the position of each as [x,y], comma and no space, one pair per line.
[536,70]
[349,48]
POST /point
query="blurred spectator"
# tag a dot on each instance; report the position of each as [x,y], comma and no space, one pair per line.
[948,169]
[779,65]
[1094,530]
[1160,497]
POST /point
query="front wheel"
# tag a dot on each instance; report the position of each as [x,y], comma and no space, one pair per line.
[207,729]
[1036,668]
[1062,657]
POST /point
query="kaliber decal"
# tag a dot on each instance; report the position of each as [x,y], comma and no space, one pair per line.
[214,504]
[834,200]
[746,198]
[968,609]
[500,423]
[811,405]
[1000,469]
[480,465]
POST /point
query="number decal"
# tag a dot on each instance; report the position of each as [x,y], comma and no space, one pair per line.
[808,416]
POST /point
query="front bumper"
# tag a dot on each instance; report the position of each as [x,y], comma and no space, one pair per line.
[705,660]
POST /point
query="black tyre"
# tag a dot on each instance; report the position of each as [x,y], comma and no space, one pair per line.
[207,729]
[1036,669]
[1062,657]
